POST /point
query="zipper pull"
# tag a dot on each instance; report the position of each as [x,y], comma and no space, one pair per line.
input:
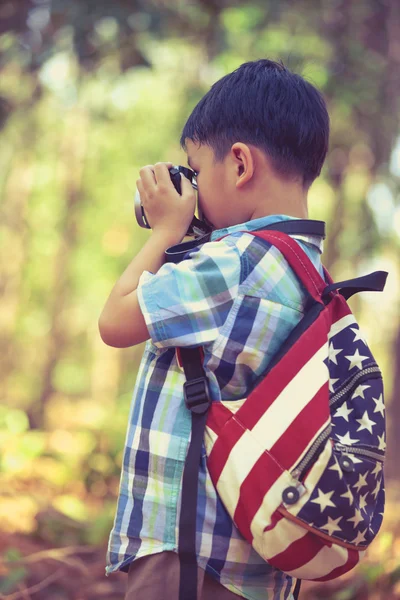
[340,447]
[296,474]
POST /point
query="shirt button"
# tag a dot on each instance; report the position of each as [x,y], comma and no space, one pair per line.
[346,463]
[290,495]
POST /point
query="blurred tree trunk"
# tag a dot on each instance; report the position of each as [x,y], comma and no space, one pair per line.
[213,40]
[72,155]
[15,241]
[376,28]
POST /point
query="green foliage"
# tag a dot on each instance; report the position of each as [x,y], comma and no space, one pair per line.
[16,574]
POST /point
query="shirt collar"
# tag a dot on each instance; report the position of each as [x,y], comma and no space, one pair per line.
[256,224]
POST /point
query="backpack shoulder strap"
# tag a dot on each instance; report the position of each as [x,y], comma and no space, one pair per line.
[310,277]
[197,400]
[297,259]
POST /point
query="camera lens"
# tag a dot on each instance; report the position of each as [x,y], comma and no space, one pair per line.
[196,227]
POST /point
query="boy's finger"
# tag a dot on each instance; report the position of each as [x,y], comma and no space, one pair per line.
[186,187]
[147,176]
[161,171]
[140,188]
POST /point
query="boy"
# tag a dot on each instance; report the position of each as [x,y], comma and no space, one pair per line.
[256,140]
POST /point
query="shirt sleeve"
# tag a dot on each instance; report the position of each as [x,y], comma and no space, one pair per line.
[186,304]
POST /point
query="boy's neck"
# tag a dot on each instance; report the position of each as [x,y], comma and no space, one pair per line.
[293,207]
[274,195]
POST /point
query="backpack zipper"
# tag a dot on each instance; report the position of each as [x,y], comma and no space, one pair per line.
[303,465]
[354,380]
[358,450]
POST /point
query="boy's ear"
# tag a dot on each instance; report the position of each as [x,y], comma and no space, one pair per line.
[244,159]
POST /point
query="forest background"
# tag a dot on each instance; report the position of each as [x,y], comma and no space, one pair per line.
[90,91]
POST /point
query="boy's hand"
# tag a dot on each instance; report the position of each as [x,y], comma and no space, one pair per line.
[165,209]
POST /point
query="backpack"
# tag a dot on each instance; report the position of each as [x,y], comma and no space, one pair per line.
[299,464]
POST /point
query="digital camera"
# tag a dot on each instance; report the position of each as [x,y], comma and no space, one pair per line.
[197,227]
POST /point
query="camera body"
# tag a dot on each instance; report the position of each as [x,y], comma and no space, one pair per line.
[197,227]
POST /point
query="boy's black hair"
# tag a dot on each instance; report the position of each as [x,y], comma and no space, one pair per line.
[264,104]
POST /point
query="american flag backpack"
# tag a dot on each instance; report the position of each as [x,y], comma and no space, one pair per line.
[299,464]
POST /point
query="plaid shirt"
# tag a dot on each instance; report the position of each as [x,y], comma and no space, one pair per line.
[238,299]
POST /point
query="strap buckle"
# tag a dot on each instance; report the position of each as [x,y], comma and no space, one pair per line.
[197,398]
